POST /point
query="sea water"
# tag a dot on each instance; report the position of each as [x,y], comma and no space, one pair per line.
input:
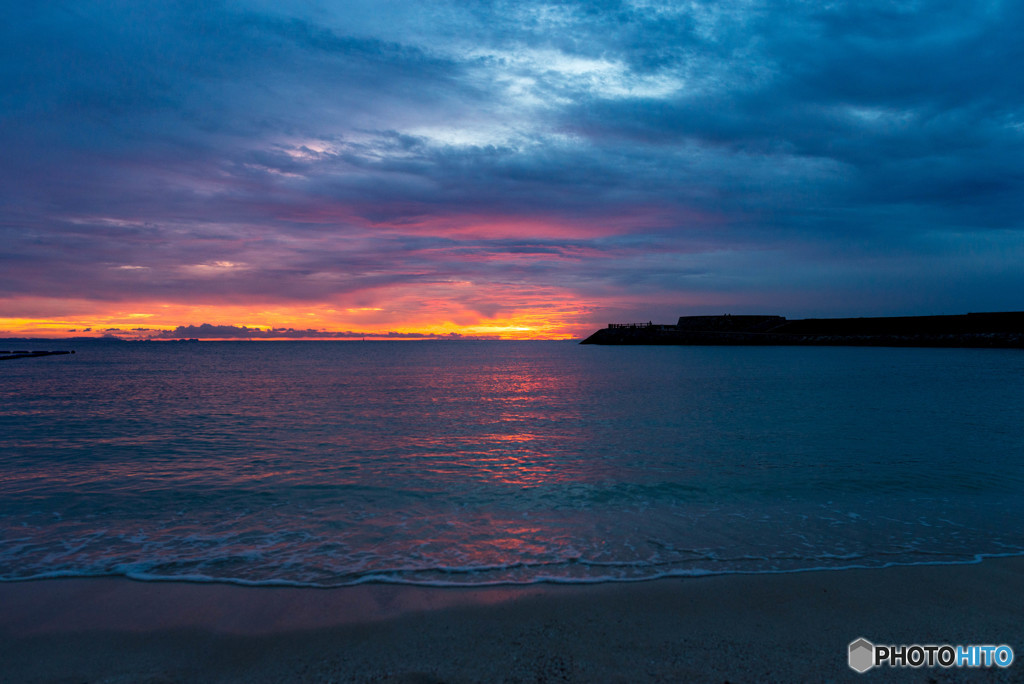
[474,463]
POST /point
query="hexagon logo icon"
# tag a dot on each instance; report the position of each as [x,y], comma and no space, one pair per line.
[862,655]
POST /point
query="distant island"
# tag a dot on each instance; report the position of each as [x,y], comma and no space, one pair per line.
[1000,329]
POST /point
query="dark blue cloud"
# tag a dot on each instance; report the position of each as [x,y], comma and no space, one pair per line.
[835,157]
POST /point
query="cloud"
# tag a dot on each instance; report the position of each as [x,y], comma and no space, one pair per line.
[634,151]
[208,331]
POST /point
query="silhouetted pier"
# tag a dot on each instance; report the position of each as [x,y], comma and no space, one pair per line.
[1000,329]
[25,354]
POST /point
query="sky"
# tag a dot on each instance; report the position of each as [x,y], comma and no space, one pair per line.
[512,169]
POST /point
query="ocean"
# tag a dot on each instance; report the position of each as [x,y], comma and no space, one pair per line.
[464,463]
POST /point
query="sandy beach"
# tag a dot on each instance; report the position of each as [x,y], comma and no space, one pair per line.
[738,628]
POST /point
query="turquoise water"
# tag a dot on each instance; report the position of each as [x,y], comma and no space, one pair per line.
[469,463]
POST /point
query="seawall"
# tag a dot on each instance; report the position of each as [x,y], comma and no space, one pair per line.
[997,329]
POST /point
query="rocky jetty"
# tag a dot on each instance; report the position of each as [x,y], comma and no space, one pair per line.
[25,354]
[1001,329]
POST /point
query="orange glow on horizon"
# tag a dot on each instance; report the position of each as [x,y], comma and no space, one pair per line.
[534,317]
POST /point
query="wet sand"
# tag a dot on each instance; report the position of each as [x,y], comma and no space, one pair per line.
[738,628]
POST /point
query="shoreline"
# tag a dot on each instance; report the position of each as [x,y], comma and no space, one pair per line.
[715,628]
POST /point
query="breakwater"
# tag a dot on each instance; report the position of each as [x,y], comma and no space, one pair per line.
[998,329]
[25,354]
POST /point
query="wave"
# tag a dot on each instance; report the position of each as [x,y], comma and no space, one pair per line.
[396,577]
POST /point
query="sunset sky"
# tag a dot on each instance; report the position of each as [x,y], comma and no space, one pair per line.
[515,169]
